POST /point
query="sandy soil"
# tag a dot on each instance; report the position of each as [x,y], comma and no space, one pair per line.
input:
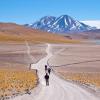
[80,57]
[58,89]
[77,62]
[16,55]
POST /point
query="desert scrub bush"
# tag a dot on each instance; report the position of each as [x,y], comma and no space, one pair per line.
[85,78]
[14,82]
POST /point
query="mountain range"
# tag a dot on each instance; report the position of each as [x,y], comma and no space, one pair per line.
[63,24]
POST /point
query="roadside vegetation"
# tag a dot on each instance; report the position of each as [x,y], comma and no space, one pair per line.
[15,82]
[84,78]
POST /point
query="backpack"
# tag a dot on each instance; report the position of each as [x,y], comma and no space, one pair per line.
[46,77]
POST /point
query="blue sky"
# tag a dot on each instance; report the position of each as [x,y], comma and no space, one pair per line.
[28,11]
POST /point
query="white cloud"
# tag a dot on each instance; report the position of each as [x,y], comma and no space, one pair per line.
[94,23]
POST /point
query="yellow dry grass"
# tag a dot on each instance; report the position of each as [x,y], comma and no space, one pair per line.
[35,39]
[14,81]
[5,37]
[85,78]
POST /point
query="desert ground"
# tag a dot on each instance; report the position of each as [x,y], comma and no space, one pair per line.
[20,47]
[78,62]
[58,89]
[15,62]
[17,55]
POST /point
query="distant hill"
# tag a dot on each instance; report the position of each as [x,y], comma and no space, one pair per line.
[19,33]
[62,24]
[91,34]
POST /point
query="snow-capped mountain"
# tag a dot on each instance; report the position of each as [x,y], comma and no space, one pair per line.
[44,23]
[62,24]
[93,23]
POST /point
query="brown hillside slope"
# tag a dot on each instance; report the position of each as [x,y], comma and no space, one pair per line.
[14,32]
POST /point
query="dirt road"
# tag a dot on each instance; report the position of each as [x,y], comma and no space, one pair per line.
[58,89]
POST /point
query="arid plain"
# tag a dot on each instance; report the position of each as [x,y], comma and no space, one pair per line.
[19,48]
[77,62]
